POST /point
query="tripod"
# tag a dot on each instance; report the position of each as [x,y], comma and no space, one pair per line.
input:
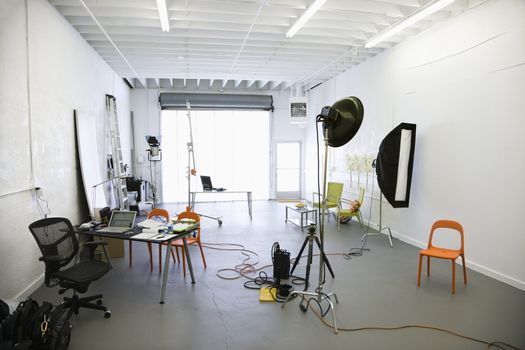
[310,239]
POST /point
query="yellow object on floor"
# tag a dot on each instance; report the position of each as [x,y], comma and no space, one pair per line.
[267,294]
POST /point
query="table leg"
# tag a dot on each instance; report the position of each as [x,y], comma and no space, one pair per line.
[165,275]
[286,216]
[249,204]
[188,258]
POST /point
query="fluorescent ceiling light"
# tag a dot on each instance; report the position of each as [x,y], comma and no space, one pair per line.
[407,22]
[310,11]
[163,15]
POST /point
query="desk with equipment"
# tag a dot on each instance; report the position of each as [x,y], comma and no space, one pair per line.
[207,187]
[248,194]
[179,231]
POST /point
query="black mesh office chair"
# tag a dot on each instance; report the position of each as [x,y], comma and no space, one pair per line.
[59,245]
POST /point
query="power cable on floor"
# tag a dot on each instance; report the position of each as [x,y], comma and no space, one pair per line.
[245,269]
[498,344]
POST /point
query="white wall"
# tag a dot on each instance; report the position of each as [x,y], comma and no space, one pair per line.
[36,113]
[462,83]
[145,107]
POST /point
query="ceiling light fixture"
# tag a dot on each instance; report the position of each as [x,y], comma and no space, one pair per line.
[163,15]
[310,11]
[407,22]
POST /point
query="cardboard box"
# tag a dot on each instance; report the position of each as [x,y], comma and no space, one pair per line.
[115,247]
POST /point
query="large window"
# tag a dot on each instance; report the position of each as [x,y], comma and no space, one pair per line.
[232,147]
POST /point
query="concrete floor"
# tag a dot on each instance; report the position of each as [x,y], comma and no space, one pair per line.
[377,289]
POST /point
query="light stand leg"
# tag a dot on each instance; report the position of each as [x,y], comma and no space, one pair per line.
[381,228]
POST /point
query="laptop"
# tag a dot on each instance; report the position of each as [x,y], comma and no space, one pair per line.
[207,186]
[120,222]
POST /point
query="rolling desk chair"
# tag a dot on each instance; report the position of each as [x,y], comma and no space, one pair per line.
[58,243]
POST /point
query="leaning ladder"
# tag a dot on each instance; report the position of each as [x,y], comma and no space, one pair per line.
[119,171]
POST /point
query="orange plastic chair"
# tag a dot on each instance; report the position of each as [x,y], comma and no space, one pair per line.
[442,253]
[191,240]
[156,212]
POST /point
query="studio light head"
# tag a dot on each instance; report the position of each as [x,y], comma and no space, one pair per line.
[342,120]
[395,161]
[153,140]
[154,147]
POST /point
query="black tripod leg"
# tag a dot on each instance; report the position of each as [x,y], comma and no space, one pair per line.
[308,264]
[324,257]
[299,255]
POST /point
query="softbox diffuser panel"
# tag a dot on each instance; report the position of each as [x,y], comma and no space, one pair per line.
[394,164]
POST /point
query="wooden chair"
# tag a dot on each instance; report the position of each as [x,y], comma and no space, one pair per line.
[334,191]
[354,210]
[443,253]
[191,240]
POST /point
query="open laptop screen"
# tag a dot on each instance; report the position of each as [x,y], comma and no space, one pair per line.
[206,183]
[122,219]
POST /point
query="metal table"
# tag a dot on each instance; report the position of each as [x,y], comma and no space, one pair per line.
[303,221]
[136,231]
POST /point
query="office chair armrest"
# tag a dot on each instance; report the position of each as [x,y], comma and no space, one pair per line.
[51,258]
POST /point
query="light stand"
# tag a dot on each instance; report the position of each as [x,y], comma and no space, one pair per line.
[319,294]
[154,156]
[192,171]
[340,124]
[380,228]
[394,164]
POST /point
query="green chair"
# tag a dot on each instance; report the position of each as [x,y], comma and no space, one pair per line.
[334,191]
[354,210]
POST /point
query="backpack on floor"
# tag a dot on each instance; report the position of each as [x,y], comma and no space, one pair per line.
[4,310]
[35,327]
[58,330]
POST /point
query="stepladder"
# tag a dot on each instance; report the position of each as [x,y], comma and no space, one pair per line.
[116,165]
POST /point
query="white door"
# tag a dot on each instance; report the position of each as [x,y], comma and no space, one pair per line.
[288,170]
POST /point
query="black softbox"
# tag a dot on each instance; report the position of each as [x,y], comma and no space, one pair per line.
[394,164]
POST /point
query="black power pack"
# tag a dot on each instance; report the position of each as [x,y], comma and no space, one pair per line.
[281,263]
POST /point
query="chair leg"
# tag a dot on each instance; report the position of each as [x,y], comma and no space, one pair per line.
[360,218]
[150,257]
[464,269]
[202,254]
[172,254]
[419,270]
[338,222]
[160,257]
[130,251]
[177,253]
[453,276]
[428,266]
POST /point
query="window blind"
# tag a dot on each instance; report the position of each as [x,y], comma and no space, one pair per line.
[174,101]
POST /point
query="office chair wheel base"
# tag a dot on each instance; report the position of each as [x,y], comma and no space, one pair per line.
[107,314]
[99,302]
